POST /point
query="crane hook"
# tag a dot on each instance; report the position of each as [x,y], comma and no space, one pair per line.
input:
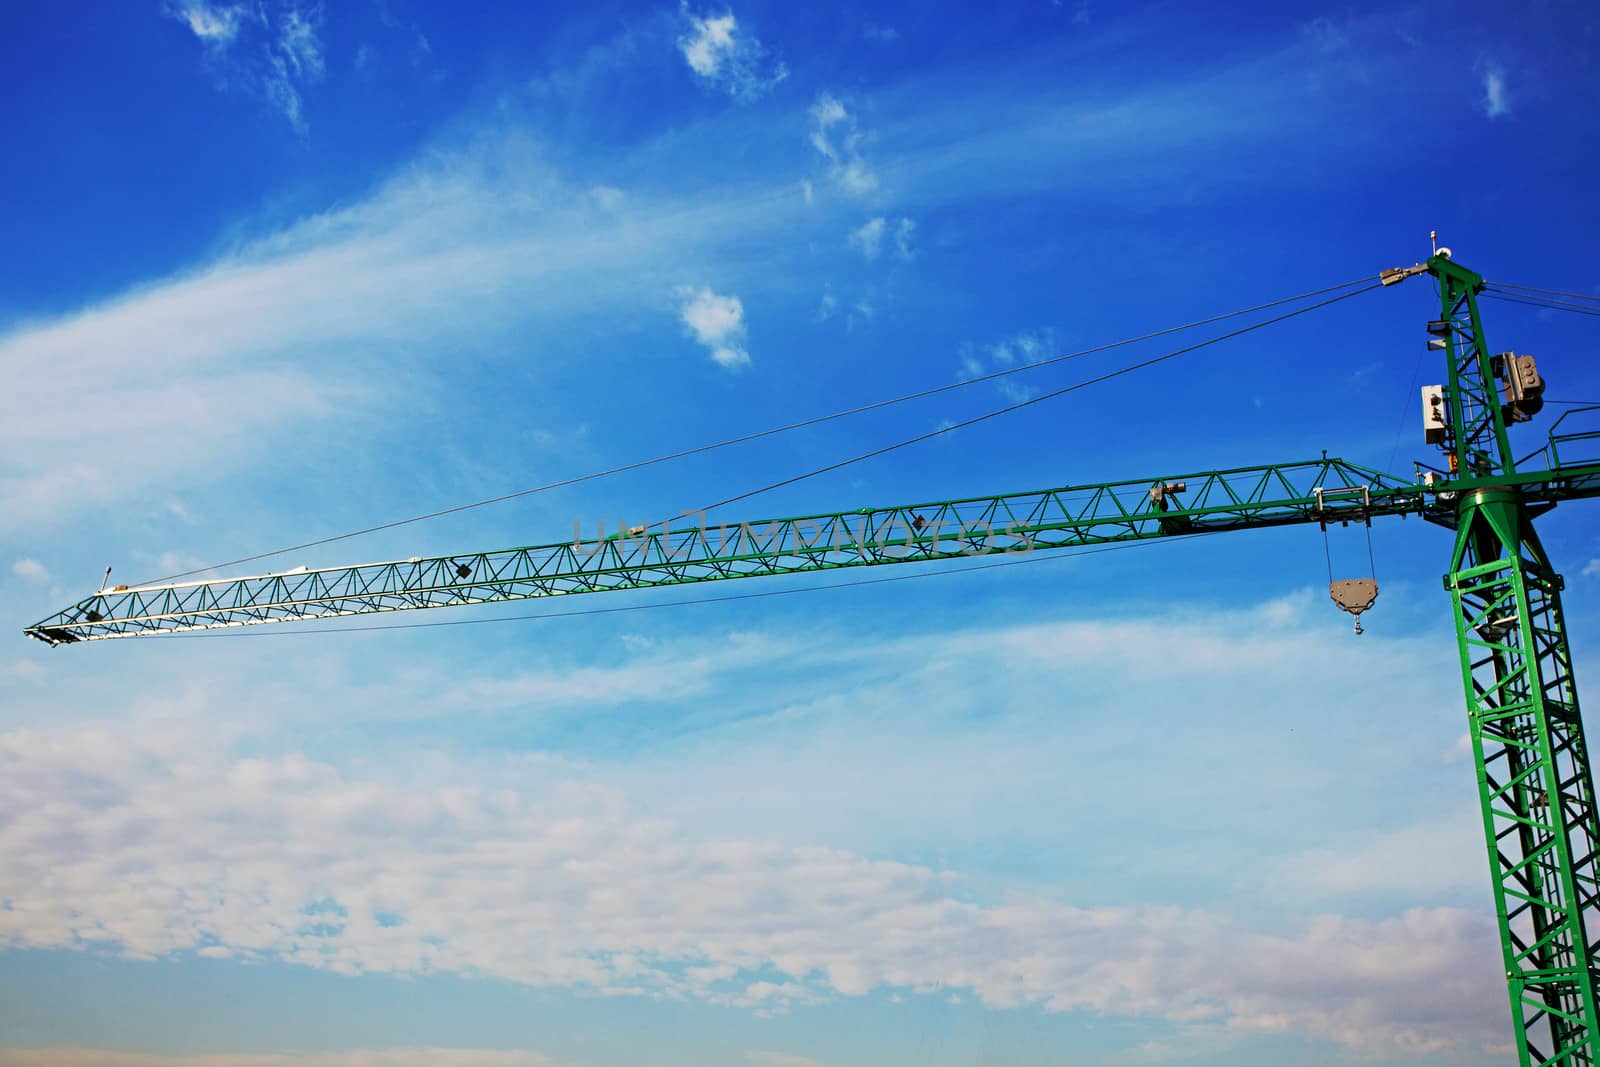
[1354,595]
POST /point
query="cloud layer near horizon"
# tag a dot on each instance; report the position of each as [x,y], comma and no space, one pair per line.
[388,1057]
[167,844]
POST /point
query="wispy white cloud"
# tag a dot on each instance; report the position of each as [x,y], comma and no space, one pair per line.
[1591,568]
[1459,751]
[31,569]
[1423,861]
[294,60]
[728,58]
[904,231]
[53,469]
[1328,35]
[24,669]
[868,237]
[710,42]
[282,331]
[977,360]
[215,24]
[273,52]
[1234,663]
[828,306]
[717,322]
[609,197]
[1496,98]
[300,44]
[244,348]
[1343,52]
[654,675]
[839,138]
[404,36]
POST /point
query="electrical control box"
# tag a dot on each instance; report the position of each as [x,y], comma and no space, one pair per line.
[1434,424]
[1524,387]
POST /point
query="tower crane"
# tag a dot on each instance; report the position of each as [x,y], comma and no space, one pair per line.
[1535,788]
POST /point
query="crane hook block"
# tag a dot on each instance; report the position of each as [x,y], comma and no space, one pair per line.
[1354,595]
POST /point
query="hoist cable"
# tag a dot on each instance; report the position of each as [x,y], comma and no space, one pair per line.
[1327,555]
[759,435]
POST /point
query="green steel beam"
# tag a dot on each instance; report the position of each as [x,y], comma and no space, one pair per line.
[1478,443]
[1068,517]
[1535,787]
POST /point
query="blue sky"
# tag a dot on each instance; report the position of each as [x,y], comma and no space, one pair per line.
[282,270]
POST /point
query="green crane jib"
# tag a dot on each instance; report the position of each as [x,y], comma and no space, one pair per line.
[640,557]
[1535,786]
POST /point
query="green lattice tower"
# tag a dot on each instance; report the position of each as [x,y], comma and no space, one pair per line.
[1534,782]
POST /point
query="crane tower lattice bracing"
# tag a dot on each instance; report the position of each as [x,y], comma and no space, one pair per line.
[1535,786]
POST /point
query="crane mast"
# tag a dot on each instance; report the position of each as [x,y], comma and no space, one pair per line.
[1535,786]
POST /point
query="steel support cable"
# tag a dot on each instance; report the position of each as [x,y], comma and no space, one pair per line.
[759,435]
[1008,409]
[1545,292]
[1540,301]
[1400,424]
[1399,427]
[761,595]
[1548,305]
